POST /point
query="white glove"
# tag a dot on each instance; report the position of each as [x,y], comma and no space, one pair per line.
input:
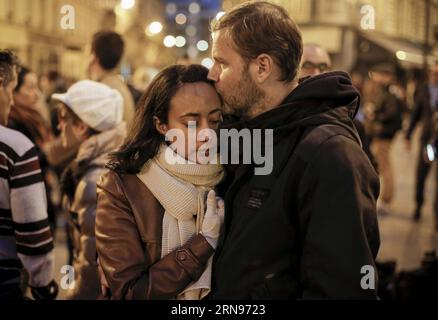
[213,218]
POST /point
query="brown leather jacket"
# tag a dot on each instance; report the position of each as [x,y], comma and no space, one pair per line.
[128,240]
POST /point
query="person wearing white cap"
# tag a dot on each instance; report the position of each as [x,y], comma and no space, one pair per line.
[90,113]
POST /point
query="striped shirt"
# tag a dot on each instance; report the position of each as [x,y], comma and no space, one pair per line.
[25,236]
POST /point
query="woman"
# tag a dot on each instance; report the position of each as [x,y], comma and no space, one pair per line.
[26,118]
[155,235]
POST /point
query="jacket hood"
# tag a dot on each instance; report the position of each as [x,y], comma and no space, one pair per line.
[333,86]
[324,99]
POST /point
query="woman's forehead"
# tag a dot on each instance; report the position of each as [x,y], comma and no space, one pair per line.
[196,91]
[195,97]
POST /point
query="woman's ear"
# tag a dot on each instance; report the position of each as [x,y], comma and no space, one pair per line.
[159,126]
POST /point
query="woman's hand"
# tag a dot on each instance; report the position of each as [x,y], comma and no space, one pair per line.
[213,219]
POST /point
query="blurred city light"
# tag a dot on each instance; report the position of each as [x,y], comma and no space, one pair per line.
[202,45]
[127,4]
[171,8]
[155,27]
[207,62]
[169,41]
[180,18]
[180,41]
[191,31]
[192,52]
[219,15]
[401,55]
[194,8]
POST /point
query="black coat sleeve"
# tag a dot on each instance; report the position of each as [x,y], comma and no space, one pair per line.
[415,117]
[339,231]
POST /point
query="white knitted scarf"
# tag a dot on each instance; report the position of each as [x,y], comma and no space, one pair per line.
[181,189]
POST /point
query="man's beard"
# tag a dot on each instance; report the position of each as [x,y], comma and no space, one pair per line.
[246,96]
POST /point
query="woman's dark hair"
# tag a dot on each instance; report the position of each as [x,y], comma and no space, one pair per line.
[143,139]
[20,77]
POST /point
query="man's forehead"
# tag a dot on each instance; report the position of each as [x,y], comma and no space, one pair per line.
[222,39]
[223,47]
[315,55]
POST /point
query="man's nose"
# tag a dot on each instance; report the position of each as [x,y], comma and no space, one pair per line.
[315,72]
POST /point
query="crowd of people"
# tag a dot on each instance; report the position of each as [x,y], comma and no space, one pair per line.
[140,227]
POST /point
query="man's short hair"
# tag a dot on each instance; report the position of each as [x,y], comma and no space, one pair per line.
[7,62]
[108,47]
[263,27]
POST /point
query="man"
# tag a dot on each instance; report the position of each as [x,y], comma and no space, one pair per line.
[106,52]
[386,119]
[316,60]
[306,230]
[90,114]
[426,105]
[25,237]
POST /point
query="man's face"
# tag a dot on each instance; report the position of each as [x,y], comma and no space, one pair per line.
[381,78]
[72,133]
[314,62]
[231,75]
[6,97]
[433,75]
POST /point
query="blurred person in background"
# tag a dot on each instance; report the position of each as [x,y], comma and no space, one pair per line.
[385,115]
[89,113]
[425,111]
[50,83]
[26,118]
[315,61]
[56,154]
[25,238]
[106,52]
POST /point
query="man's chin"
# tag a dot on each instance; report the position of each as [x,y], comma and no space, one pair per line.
[239,112]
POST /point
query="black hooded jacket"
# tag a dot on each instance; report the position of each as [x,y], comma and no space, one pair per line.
[307,230]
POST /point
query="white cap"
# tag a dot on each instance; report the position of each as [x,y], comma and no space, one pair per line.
[96,104]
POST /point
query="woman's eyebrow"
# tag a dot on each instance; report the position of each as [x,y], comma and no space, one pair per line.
[190,114]
[215,110]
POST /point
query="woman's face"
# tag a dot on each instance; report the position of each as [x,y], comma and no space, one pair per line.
[196,103]
[28,94]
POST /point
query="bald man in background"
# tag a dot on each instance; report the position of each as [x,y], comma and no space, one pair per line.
[316,60]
